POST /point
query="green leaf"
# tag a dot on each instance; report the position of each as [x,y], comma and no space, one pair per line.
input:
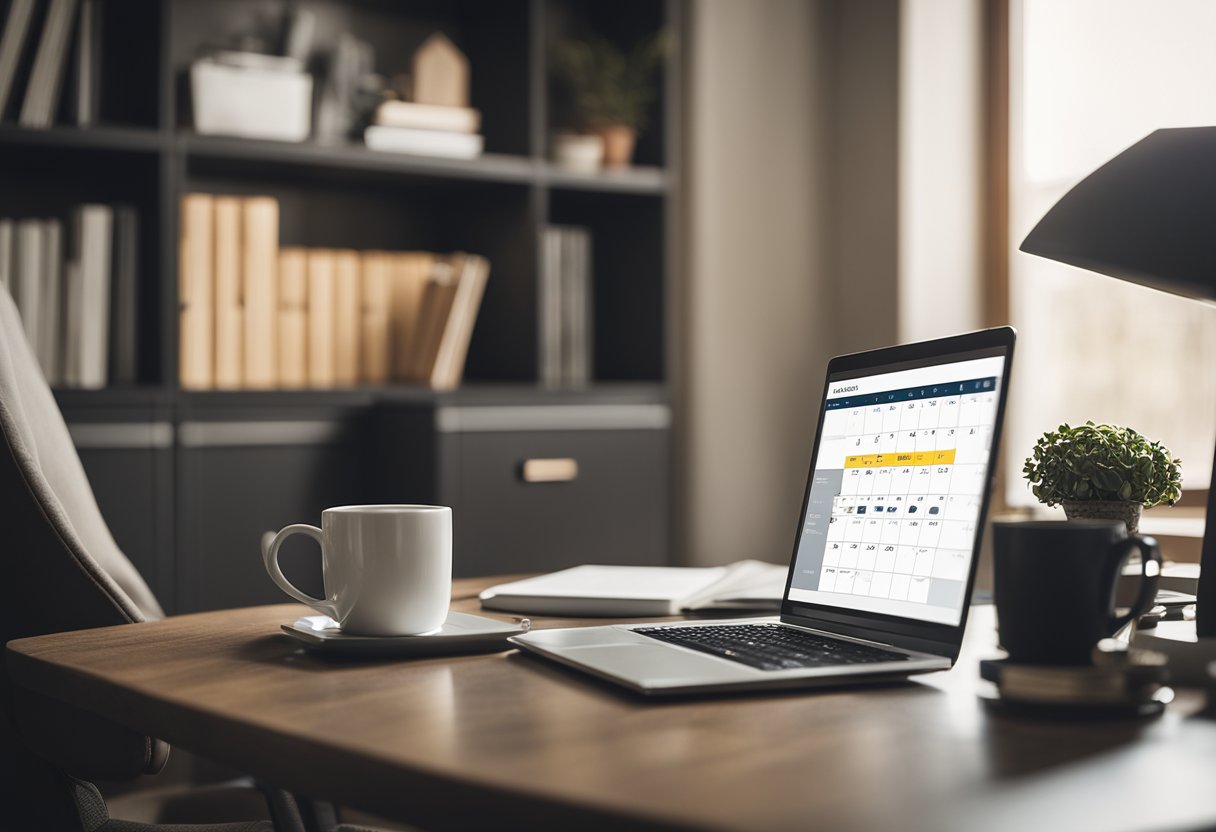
[1101,461]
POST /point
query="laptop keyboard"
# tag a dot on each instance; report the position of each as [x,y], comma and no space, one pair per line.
[771,646]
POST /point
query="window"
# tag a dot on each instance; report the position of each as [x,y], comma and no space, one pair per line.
[1087,79]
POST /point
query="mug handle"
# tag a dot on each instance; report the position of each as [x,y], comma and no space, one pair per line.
[1150,553]
[270,555]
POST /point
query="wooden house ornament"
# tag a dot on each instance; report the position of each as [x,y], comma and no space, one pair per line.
[441,73]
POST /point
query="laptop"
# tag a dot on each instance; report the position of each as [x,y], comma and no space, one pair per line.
[885,549]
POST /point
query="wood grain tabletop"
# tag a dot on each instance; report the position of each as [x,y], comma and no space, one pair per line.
[511,741]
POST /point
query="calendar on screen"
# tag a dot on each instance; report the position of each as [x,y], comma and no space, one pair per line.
[897,490]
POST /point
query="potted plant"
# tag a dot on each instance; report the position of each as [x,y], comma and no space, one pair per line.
[610,90]
[1103,471]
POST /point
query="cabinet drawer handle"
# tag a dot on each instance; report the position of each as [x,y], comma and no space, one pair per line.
[562,469]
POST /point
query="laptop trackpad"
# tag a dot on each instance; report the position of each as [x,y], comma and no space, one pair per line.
[648,661]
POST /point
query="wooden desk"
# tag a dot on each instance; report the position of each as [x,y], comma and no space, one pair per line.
[508,741]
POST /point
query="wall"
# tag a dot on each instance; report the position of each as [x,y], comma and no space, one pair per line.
[756,290]
[859,62]
[834,171]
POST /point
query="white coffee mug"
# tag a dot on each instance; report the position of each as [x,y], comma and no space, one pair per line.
[387,569]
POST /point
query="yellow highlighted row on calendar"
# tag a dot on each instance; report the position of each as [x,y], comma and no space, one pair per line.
[909,458]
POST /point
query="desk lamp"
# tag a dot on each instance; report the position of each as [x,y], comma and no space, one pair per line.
[1148,216]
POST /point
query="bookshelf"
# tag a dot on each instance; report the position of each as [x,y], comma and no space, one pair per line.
[144,152]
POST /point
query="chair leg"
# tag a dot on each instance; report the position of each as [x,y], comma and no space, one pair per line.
[284,810]
[319,815]
[90,805]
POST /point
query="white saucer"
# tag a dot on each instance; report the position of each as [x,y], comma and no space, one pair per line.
[460,633]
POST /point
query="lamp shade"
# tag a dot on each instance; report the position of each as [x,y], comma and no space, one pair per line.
[1147,216]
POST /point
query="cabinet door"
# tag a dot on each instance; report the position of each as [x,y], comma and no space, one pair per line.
[128,458]
[593,496]
[242,478]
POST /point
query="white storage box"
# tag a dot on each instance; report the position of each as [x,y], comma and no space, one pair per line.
[251,101]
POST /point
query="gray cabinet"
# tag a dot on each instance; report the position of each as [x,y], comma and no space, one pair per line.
[535,488]
[240,477]
[127,454]
[189,491]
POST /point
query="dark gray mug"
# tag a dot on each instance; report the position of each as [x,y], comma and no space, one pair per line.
[1055,586]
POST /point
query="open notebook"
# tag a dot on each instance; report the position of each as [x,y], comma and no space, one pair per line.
[643,590]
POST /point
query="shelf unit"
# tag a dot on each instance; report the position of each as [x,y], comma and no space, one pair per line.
[144,152]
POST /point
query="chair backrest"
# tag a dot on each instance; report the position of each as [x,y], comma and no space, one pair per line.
[40,459]
[62,569]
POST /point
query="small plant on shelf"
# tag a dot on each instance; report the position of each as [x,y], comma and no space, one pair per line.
[610,90]
[1103,471]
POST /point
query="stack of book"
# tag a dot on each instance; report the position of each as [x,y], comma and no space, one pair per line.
[59,28]
[255,315]
[77,301]
[426,130]
[565,309]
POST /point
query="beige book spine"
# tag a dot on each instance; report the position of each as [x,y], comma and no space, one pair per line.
[454,348]
[229,305]
[410,272]
[293,317]
[260,280]
[321,318]
[195,287]
[436,308]
[375,347]
[347,287]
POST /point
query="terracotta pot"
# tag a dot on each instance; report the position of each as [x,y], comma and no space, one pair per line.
[618,145]
[1125,510]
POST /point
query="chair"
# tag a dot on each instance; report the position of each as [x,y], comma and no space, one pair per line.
[64,572]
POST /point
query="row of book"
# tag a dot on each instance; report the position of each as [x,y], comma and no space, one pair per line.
[257,315]
[565,309]
[64,31]
[75,288]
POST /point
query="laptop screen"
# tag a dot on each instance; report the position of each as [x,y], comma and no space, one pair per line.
[898,486]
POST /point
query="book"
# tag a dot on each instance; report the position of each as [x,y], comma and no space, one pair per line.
[409,272]
[320,318]
[86,92]
[95,224]
[576,307]
[12,46]
[6,253]
[46,77]
[124,297]
[423,142]
[27,285]
[374,331]
[454,342]
[565,310]
[639,591]
[259,275]
[73,302]
[49,330]
[229,311]
[346,317]
[411,115]
[293,317]
[433,313]
[195,292]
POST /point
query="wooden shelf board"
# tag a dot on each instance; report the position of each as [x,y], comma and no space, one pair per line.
[398,394]
[130,139]
[639,180]
[491,167]
[488,168]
